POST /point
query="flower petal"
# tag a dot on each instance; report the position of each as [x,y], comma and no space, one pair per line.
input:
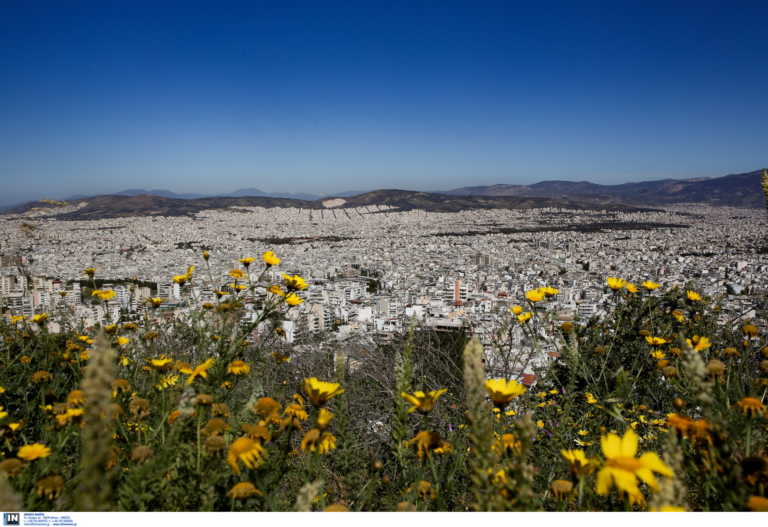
[611,445]
[629,444]
[651,461]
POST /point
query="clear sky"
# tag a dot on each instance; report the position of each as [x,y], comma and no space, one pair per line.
[323,97]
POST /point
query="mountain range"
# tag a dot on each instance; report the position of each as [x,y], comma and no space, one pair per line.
[738,190]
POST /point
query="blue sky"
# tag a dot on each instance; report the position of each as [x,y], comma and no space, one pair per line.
[322,97]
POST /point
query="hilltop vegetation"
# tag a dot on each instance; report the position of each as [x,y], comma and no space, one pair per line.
[658,406]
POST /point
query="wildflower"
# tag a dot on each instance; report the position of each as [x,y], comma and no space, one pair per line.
[516,310]
[540,423]
[215,426]
[757,504]
[34,451]
[590,398]
[238,367]
[270,259]
[655,341]
[566,327]
[319,392]
[41,376]
[155,301]
[167,381]
[292,299]
[199,371]
[421,401]
[15,319]
[214,443]
[427,442]
[11,466]
[206,255]
[237,274]
[161,363]
[650,286]
[693,296]
[524,317]
[247,261]
[659,355]
[317,441]
[632,288]
[257,432]
[111,329]
[244,449]
[268,409]
[14,426]
[243,490]
[561,488]
[40,318]
[296,413]
[535,295]
[25,359]
[751,406]
[279,357]
[699,343]
[180,279]
[622,468]
[139,407]
[76,398]
[122,341]
[50,487]
[716,368]
[204,399]
[616,283]
[294,283]
[104,294]
[750,330]
[426,491]
[502,391]
[90,272]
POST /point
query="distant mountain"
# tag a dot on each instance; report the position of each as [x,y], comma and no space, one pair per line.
[738,190]
[244,192]
[157,192]
[117,206]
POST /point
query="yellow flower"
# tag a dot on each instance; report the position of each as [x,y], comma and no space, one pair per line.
[590,398]
[655,341]
[104,294]
[534,295]
[90,271]
[678,315]
[276,290]
[168,381]
[247,261]
[317,441]
[294,283]
[319,392]
[751,406]
[238,367]
[14,426]
[270,258]
[323,418]
[524,317]
[34,451]
[180,279]
[502,391]
[292,299]
[668,508]
[616,283]
[516,309]
[40,318]
[427,442]
[199,371]
[421,401]
[3,413]
[50,487]
[658,355]
[15,319]
[549,291]
[122,341]
[699,343]
[757,504]
[268,409]
[76,398]
[693,296]
[206,255]
[650,286]
[69,415]
[243,490]
[237,274]
[161,363]
[155,301]
[632,288]
[244,449]
[622,468]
